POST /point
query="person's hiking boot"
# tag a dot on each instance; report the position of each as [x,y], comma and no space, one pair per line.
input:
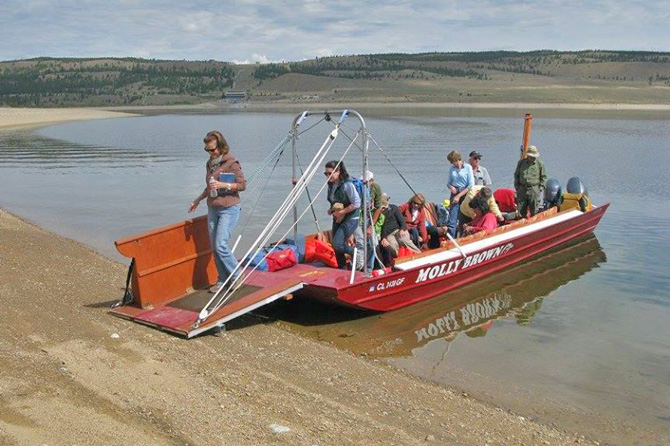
[214,288]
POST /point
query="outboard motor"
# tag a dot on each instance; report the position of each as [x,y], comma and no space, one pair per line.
[576,196]
[575,186]
[552,193]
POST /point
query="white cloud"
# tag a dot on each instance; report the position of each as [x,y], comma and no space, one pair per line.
[260,58]
[262,31]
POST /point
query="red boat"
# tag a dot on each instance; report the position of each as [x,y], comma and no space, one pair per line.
[173,265]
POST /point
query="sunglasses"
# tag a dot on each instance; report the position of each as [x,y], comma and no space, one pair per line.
[416,204]
[209,150]
[328,173]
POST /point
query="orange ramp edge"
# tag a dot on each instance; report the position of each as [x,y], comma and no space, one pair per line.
[178,320]
[170,262]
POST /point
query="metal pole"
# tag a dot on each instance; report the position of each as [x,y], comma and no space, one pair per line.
[293,183]
[527,124]
[366,193]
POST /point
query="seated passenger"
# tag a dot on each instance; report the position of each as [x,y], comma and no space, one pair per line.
[506,201]
[467,213]
[393,232]
[415,218]
[484,219]
[436,223]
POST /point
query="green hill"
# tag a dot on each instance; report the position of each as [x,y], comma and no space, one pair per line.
[500,76]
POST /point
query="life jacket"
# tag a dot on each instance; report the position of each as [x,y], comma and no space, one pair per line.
[318,251]
[576,201]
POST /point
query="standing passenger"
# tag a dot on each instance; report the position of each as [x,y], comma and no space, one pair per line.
[459,183]
[223,203]
[530,177]
[345,202]
[375,207]
[480,174]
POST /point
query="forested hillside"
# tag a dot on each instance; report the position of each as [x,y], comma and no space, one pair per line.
[63,82]
[494,76]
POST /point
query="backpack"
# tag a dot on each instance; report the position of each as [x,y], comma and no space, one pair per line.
[442,214]
[360,185]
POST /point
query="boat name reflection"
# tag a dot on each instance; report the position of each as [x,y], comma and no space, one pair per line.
[465,317]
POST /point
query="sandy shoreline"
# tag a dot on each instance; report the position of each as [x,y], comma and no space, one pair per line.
[22,118]
[16,118]
[68,378]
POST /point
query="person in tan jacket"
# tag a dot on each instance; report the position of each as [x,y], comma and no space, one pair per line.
[225,180]
[467,213]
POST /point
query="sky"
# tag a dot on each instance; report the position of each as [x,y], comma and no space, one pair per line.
[280,30]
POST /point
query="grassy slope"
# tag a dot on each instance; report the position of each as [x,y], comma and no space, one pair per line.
[499,78]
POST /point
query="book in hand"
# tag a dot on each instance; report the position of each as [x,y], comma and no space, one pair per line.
[226,178]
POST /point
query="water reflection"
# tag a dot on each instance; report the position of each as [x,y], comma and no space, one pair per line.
[517,293]
[28,149]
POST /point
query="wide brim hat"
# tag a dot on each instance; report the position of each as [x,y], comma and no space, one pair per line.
[385,200]
[532,151]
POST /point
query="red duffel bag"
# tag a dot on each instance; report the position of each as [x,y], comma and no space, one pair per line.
[281,259]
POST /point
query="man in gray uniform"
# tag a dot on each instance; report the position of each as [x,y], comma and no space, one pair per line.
[480,173]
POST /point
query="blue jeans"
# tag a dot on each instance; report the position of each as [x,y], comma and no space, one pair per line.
[221,222]
[452,222]
[341,233]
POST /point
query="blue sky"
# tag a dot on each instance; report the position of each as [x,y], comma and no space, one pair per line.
[255,30]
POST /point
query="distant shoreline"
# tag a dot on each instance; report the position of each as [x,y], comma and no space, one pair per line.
[21,118]
[410,109]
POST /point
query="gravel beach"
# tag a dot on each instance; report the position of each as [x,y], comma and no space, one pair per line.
[73,374]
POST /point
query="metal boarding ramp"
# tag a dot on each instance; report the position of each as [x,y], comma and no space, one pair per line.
[172,262]
[172,267]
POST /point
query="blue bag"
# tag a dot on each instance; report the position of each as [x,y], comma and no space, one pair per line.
[442,214]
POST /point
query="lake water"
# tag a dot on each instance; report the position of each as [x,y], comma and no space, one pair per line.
[581,335]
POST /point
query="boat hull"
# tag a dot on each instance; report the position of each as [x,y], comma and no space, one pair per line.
[430,279]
